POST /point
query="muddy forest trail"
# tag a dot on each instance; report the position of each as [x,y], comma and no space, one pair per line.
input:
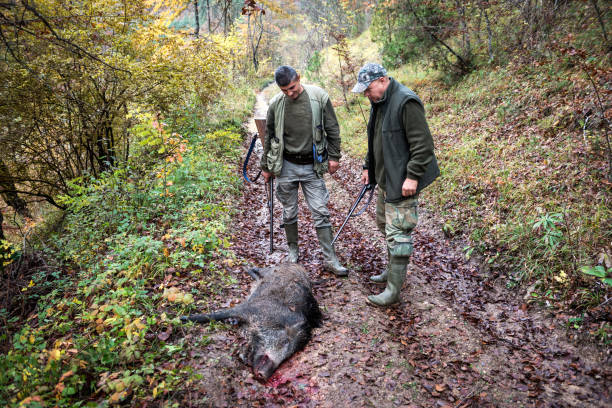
[458,338]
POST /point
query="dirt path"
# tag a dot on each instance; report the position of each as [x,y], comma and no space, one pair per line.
[459,338]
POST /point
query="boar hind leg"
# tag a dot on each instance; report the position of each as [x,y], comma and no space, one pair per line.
[233,313]
[313,313]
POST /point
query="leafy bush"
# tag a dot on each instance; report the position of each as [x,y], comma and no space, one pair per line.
[96,335]
[8,254]
[599,271]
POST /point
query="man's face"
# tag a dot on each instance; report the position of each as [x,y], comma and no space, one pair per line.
[294,89]
[375,91]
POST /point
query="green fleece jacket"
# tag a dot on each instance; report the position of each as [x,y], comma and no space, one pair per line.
[400,145]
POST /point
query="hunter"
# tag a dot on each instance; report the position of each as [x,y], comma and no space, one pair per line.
[401,161]
[302,144]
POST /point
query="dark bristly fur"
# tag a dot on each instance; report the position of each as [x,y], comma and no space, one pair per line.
[277,319]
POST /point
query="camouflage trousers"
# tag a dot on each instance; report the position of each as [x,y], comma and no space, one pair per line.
[396,221]
[316,194]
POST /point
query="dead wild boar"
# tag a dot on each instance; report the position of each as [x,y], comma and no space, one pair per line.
[276,319]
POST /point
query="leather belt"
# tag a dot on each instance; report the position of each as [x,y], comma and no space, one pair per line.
[298,158]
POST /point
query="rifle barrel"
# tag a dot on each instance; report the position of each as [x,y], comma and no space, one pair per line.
[352,210]
[271,206]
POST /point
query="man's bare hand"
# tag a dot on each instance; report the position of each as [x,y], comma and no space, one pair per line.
[267,175]
[409,187]
[365,178]
[333,166]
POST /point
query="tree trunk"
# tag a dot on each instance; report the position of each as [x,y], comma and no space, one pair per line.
[478,25]
[8,191]
[489,33]
[467,47]
[601,22]
[250,35]
[253,31]
[110,141]
[208,14]
[225,16]
[197,19]
[1,229]
[102,159]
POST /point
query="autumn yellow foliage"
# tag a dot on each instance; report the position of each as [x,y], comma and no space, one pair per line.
[77,75]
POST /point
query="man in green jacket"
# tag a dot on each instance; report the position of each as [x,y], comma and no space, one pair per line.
[302,144]
[401,161]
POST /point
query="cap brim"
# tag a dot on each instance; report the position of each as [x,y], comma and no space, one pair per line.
[359,87]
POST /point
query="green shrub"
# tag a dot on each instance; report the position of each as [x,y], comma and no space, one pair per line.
[165,212]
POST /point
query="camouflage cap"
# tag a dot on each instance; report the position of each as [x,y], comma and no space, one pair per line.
[368,73]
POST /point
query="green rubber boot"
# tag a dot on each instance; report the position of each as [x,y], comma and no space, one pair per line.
[291,230]
[331,261]
[382,278]
[395,280]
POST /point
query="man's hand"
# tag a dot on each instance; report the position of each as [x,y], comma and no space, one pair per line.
[267,175]
[365,178]
[409,187]
[333,166]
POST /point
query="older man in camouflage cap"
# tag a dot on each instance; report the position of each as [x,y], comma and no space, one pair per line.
[401,161]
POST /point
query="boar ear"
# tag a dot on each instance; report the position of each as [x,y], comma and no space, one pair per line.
[294,329]
[255,273]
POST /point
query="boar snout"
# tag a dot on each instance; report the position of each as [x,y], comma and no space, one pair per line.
[263,367]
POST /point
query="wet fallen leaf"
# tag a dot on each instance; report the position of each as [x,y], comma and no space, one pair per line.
[66,375]
[163,336]
[59,387]
[117,397]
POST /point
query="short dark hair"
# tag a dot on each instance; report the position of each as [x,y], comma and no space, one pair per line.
[284,75]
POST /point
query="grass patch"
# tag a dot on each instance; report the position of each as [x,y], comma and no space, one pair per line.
[518,177]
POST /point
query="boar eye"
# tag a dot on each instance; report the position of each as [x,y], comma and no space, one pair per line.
[255,340]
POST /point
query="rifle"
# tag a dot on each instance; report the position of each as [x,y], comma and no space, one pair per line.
[271,208]
[354,207]
[246,161]
[260,123]
[261,134]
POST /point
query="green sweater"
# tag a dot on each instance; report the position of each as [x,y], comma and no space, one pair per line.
[297,133]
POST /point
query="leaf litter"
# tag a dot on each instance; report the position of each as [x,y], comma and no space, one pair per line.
[458,338]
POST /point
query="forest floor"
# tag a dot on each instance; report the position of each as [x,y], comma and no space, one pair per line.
[458,338]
